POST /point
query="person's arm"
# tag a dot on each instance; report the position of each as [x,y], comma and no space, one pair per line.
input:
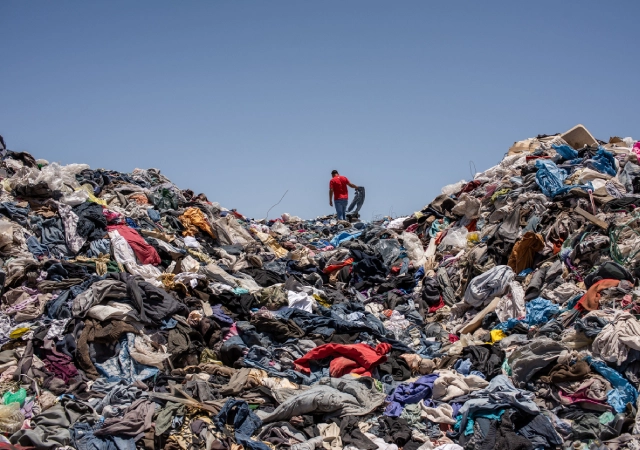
[351,185]
[330,196]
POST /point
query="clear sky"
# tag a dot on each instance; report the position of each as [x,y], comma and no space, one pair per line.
[243,100]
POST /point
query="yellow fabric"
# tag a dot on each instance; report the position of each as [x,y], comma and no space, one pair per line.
[19,332]
[497,335]
[201,256]
[272,244]
[89,190]
[192,219]
[324,302]
[101,262]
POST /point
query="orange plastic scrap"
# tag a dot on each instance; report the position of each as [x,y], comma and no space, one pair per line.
[192,219]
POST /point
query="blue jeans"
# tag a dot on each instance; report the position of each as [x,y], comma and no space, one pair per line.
[341,208]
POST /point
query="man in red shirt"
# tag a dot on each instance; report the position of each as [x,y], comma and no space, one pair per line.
[338,191]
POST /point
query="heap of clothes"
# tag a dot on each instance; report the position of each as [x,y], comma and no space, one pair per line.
[502,315]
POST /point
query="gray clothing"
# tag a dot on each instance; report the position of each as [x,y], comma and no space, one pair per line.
[526,361]
[499,394]
[97,293]
[493,283]
[342,396]
[50,429]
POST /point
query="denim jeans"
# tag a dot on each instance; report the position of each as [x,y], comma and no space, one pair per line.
[341,208]
[358,200]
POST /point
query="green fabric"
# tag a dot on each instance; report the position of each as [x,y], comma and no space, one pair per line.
[606,418]
[166,415]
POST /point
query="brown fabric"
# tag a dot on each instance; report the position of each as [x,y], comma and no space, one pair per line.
[94,331]
[524,250]
[281,330]
[244,379]
[564,372]
[136,420]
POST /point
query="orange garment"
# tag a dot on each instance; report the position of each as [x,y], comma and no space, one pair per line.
[334,267]
[557,245]
[140,199]
[590,301]
[521,257]
[192,219]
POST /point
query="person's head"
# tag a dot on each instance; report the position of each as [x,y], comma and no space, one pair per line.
[334,173]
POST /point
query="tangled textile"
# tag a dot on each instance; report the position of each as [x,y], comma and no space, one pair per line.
[194,220]
[356,358]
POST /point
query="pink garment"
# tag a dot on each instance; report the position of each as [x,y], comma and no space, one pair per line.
[112,217]
[145,253]
[233,331]
[636,149]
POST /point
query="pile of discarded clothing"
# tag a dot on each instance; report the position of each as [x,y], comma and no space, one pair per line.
[502,315]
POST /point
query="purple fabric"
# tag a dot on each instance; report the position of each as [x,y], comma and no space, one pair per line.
[218,314]
[409,393]
[59,364]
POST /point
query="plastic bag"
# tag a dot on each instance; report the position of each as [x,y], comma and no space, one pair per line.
[75,198]
[280,229]
[414,249]
[61,178]
[15,397]
[389,249]
[453,188]
[456,238]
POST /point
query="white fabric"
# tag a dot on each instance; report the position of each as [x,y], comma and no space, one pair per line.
[451,384]
[300,300]
[612,344]
[123,253]
[112,310]
[512,305]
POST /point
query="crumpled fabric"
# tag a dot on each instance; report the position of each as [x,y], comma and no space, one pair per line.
[527,360]
[493,283]
[334,395]
[615,340]
[410,393]
[356,358]
[194,220]
[512,304]
[451,384]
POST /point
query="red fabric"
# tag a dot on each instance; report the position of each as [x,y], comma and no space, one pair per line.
[453,338]
[433,309]
[339,186]
[335,267]
[472,226]
[470,186]
[412,228]
[145,253]
[340,366]
[354,358]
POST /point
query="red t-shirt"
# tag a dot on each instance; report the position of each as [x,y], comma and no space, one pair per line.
[339,186]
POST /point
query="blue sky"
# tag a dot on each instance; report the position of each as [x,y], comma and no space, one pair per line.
[244,100]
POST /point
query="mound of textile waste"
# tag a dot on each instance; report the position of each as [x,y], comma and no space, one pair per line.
[502,315]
